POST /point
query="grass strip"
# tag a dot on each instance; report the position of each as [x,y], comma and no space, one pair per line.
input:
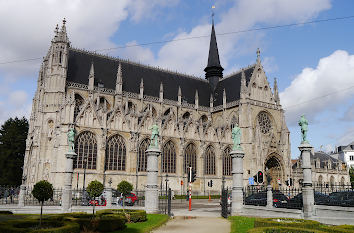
[153,221]
[240,224]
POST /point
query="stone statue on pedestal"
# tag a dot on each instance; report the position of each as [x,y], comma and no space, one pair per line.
[303,123]
[236,138]
[154,136]
[71,139]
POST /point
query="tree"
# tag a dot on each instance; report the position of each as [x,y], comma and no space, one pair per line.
[13,135]
[351,174]
[42,191]
[125,188]
[94,189]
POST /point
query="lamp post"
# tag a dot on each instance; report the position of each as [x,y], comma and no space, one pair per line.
[166,180]
[83,183]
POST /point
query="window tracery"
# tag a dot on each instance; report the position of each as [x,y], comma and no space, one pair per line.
[142,158]
[209,161]
[264,122]
[169,158]
[115,153]
[190,157]
[86,150]
[79,101]
[226,162]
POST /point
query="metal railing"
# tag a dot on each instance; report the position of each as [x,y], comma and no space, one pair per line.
[9,195]
[30,200]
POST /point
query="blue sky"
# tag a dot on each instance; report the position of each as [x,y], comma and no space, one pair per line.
[309,61]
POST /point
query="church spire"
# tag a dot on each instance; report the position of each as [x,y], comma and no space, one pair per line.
[213,71]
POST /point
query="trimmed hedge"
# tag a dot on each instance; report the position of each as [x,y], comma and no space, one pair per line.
[5,212]
[108,223]
[277,229]
[24,225]
[134,215]
[286,222]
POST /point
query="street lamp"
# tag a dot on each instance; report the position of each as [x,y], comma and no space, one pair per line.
[166,191]
[83,183]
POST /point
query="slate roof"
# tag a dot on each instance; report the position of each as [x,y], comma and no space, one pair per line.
[323,157]
[213,59]
[79,64]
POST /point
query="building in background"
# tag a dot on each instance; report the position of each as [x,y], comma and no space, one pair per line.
[326,171]
[112,102]
[346,154]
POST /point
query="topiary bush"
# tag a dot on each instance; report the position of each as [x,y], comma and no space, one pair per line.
[279,229]
[134,215]
[286,222]
[30,225]
[108,223]
[94,189]
[42,191]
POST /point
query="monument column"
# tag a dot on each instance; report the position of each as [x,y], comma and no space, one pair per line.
[307,189]
[151,189]
[237,155]
[70,155]
[21,197]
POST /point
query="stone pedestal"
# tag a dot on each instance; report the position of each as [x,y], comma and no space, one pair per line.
[237,181]
[21,197]
[109,196]
[269,196]
[307,189]
[67,191]
[151,189]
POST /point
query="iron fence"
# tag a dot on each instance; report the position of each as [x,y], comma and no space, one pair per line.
[9,195]
[55,200]
[335,195]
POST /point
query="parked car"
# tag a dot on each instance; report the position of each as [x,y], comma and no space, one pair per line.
[260,199]
[345,198]
[130,199]
[297,203]
[98,201]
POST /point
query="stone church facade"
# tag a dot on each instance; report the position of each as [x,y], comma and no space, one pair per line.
[111,103]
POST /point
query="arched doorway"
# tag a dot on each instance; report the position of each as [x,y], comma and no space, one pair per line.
[274,169]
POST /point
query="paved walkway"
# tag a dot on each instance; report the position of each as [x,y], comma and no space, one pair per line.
[196,225]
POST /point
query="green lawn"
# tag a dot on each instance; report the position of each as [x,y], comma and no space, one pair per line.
[240,224]
[153,221]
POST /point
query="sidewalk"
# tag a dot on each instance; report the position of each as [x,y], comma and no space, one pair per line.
[196,225]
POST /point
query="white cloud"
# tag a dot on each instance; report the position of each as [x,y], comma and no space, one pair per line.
[349,114]
[346,138]
[144,9]
[191,55]
[324,84]
[18,98]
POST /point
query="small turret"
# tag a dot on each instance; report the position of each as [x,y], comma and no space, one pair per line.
[276,93]
[161,92]
[179,96]
[213,71]
[196,99]
[243,84]
[141,94]
[91,78]
[119,81]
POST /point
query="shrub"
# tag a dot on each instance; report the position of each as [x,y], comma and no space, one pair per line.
[134,215]
[286,222]
[94,189]
[278,229]
[108,223]
[5,212]
[25,225]
[42,191]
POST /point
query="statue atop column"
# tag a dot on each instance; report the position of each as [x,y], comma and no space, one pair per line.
[154,136]
[71,139]
[303,123]
[236,138]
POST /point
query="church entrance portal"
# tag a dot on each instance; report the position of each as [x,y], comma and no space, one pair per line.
[274,168]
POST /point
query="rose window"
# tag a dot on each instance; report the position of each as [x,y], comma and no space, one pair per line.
[264,122]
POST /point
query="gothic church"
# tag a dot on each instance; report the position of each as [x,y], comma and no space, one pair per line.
[112,102]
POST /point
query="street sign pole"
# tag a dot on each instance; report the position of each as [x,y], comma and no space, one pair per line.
[190,188]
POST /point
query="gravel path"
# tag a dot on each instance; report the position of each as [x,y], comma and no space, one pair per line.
[196,225]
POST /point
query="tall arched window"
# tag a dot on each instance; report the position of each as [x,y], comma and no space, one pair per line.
[142,160]
[190,158]
[86,150]
[226,162]
[115,153]
[169,158]
[79,101]
[209,161]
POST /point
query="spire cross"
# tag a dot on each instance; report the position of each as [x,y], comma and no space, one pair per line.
[212,14]
[258,54]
